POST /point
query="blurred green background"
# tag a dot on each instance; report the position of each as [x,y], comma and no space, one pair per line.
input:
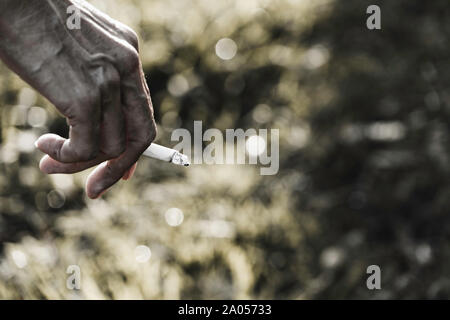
[364,161]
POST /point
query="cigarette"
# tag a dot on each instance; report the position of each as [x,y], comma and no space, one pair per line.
[156,151]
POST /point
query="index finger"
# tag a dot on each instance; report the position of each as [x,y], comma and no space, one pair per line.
[84,134]
[140,129]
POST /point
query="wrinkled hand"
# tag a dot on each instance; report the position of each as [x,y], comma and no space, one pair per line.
[94,78]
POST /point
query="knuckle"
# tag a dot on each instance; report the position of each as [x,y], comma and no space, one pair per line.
[85,98]
[55,153]
[64,105]
[88,99]
[115,151]
[86,152]
[113,80]
[132,38]
[87,155]
[130,60]
[88,106]
[129,35]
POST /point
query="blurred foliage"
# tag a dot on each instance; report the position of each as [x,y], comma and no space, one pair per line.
[364,150]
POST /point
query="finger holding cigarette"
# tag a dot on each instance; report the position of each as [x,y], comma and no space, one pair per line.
[154,151]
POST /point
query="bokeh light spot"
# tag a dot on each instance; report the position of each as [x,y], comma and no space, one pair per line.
[255,145]
[27,96]
[226,49]
[316,57]
[56,199]
[262,113]
[178,85]
[142,253]
[174,217]
[19,258]
[25,141]
[37,117]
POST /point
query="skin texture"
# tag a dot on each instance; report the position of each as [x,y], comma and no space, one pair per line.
[93,76]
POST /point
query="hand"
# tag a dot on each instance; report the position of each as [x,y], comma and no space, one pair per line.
[94,78]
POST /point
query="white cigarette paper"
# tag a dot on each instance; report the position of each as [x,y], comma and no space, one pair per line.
[156,151]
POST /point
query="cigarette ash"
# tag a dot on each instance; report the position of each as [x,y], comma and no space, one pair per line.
[180,159]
